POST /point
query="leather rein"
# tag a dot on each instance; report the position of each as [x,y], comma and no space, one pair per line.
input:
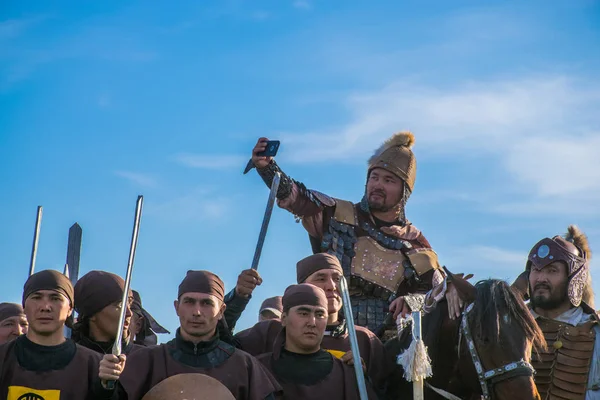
[490,377]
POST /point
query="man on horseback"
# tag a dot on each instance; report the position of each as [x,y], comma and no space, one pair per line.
[558,283]
[384,256]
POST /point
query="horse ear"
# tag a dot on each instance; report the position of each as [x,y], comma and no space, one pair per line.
[466,291]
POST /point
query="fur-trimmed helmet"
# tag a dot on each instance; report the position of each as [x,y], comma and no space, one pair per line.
[573,250]
[395,155]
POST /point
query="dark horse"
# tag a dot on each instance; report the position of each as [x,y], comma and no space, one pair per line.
[503,333]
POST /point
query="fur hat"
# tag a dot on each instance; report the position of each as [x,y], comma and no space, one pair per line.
[395,155]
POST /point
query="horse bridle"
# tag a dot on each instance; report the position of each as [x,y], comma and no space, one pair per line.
[490,377]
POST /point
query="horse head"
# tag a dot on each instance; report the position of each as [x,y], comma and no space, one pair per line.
[497,335]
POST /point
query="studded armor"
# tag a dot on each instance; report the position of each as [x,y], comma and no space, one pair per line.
[380,267]
[562,370]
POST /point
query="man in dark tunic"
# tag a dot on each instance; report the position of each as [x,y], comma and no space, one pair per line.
[384,257]
[300,365]
[143,328]
[271,308]
[195,349]
[98,297]
[324,271]
[43,364]
[13,322]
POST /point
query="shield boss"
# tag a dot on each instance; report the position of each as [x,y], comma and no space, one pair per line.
[189,387]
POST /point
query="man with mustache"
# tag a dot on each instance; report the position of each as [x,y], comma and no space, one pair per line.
[13,322]
[558,283]
[42,364]
[196,348]
[303,369]
[384,257]
[98,297]
[324,271]
[144,327]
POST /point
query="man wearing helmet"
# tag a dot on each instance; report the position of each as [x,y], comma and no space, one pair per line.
[385,258]
[557,281]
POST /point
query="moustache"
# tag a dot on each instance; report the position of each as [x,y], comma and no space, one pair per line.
[379,192]
[542,286]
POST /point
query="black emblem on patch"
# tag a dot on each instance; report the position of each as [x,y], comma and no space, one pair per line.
[31,396]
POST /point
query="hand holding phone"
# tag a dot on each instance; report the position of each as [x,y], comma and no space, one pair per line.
[271,148]
[264,151]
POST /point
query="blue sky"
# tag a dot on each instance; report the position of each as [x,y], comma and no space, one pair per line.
[106,100]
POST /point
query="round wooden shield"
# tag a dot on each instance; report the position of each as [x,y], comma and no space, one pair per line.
[189,387]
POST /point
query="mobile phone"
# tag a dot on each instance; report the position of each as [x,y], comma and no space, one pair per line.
[271,150]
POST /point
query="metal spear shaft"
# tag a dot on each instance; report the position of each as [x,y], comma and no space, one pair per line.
[266,219]
[116,350]
[360,377]
[36,239]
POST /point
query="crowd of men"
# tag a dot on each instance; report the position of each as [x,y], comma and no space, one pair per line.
[300,347]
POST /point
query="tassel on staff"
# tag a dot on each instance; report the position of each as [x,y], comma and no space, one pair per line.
[415,360]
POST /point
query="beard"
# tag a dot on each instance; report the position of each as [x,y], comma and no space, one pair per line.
[380,203]
[552,299]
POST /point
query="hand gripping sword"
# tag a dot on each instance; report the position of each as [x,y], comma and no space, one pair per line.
[36,239]
[116,350]
[360,377]
[266,219]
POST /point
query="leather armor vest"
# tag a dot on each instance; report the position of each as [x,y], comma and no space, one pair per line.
[562,370]
[379,267]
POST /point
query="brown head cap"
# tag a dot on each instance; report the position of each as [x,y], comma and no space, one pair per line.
[316,262]
[96,290]
[48,279]
[202,282]
[8,310]
[395,155]
[304,294]
[273,304]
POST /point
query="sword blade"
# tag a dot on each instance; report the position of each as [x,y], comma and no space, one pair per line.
[74,251]
[266,219]
[72,265]
[66,329]
[360,377]
[116,350]
[36,238]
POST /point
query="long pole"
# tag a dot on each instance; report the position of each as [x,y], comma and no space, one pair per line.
[116,350]
[417,383]
[36,239]
[266,219]
[360,376]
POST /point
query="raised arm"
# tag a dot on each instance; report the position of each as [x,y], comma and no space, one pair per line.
[307,205]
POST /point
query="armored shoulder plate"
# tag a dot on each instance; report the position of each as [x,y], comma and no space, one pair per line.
[345,212]
[423,260]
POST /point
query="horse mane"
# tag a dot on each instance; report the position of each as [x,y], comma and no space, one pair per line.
[495,299]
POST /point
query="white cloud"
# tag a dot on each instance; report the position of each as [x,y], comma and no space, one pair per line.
[260,15]
[541,133]
[198,205]
[104,101]
[302,4]
[12,28]
[485,261]
[211,161]
[137,178]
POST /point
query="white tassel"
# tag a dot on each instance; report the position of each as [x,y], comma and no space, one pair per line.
[414,360]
